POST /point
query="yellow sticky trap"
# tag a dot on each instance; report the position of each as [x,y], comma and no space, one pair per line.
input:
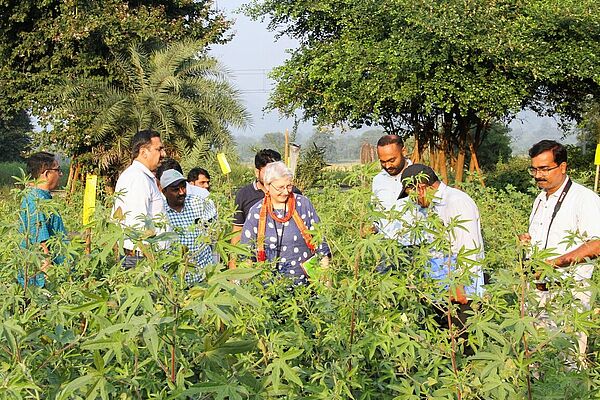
[597,157]
[225,168]
[89,198]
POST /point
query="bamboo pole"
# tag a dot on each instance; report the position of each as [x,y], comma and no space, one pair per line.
[286,150]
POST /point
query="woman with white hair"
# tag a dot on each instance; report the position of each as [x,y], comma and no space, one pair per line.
[278,227]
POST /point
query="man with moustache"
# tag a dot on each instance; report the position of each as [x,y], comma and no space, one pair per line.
[387,186]
[188,216]
[139,202]
[562,209]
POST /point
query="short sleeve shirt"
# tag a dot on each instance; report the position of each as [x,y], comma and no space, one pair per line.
[284,240]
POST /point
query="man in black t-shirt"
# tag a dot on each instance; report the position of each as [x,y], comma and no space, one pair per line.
[249,195]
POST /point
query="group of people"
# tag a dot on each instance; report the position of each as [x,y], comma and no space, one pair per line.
[564,219]
[277,221]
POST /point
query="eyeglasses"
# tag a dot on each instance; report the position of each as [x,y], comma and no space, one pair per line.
[542,170]
[282,189]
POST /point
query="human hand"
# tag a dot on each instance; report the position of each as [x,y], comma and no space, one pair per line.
[45,265]
[524,239]
[459,296]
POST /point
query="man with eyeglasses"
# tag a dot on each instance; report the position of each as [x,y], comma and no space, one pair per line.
[139,202]
[565,218]
[37,225]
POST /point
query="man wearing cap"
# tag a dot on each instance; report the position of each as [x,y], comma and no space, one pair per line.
[449,204]
[189,216]
[138,203]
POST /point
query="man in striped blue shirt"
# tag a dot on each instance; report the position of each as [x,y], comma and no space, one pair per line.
[189,216]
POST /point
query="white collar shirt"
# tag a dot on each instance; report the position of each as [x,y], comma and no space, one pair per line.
[577,221]
[139,199]
[450,203]
[386,188]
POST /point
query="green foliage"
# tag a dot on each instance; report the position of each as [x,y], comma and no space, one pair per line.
[310,166]
[512,174]
[44,42]
[495,147]
[173,89]
[97,331]
[15,129]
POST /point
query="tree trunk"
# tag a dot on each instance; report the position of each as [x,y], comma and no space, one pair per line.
[416,155]
[75,179]
[442,165]
[476,164]
[460,165]
[70,178]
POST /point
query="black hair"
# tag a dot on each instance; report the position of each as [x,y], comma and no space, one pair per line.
[195,172]
[559,152]
[168,163]
[390,139]
[266,156]
[39,162]
[141,139]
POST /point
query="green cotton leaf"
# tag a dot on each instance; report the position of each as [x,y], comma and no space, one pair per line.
[92,305]
[152,341]
[491,384]
[236,274]
[484,355]
[75,385]
[291,354]
[290,374]
[236,347]
[98,361]
[242,295]
[491,330]
[102,344]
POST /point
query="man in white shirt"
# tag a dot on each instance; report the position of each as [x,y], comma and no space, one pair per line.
[139,202]
[387,186]
[450,204]
[566,218]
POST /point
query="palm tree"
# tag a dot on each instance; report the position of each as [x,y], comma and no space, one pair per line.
[175,90]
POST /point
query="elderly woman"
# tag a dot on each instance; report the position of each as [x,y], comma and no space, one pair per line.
[278,227]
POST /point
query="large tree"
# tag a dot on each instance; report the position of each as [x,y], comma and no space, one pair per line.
[44,42]
[174,89]
[15,130]
[438,69]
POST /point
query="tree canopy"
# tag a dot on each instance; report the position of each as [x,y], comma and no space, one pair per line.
[434,68]
[46,42]
[172,89]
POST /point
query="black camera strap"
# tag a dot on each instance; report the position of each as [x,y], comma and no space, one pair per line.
[557,207]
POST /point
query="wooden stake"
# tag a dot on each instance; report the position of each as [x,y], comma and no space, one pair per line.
[286,150]
[596,180]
